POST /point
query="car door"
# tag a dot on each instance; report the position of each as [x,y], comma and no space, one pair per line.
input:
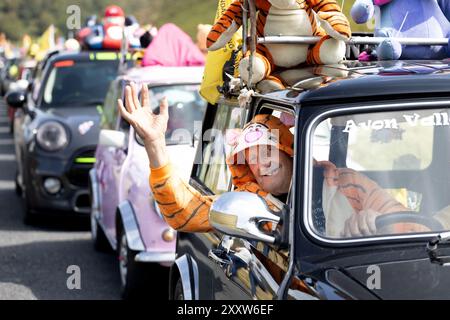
[253,269]
[22,132]
[228,268]
[210,177]
[109,160]
[21,120]
[22,117]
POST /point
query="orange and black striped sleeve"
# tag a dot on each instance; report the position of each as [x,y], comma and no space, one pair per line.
[183,207]
[331,12]
[364,193]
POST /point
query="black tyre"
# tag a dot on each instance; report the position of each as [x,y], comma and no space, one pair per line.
[178,293]
[134,276]
[29,217]
[18,188]
[98,236]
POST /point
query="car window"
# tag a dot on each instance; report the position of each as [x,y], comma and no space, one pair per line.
[213,171]
[392,163]
[401,148]
[81,83]
[37,78]
[110,111]
[186,111]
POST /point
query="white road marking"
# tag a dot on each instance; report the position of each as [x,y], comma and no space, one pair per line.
[7,157]
[7,185]
[6,142]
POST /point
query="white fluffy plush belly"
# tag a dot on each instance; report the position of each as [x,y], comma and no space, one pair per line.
[293,22]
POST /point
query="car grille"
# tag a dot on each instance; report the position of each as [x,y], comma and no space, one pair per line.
[82,162]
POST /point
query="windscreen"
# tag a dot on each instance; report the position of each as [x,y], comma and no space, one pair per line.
[78,83]
[380,173]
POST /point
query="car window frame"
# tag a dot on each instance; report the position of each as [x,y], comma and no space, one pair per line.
[208,123]
[121,124]
[303,212]
[281,107]
[152,86]
[40,80]
[118,87]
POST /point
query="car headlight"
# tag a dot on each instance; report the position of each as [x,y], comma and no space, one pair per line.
[52,136]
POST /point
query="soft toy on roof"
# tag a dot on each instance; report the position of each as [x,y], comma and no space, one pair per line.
[289,18]
[405,19]
[108,35]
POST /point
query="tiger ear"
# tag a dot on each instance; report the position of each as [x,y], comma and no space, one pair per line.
[287,119]
[232,136]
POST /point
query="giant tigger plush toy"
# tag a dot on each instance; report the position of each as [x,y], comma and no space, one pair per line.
[290,18]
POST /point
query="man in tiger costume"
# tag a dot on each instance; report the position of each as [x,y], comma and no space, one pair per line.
[321,18]
[350,201]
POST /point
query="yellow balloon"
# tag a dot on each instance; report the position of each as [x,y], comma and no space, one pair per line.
[13,71]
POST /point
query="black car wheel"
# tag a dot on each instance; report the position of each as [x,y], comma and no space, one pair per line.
[178,293]
[98,236]
[29,218]
[29,215]
[18,188]
[134,276]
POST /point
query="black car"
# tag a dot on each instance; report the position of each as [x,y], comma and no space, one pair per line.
[389,122]
[56,129]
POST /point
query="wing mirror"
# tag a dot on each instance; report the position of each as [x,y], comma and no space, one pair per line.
[243,214]
[16,99]
[112,138]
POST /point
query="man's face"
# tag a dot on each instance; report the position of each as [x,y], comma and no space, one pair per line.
[271,167]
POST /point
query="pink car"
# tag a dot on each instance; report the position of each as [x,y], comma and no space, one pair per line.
[124,215]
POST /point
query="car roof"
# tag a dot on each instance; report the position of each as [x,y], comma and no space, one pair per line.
[361,81]
[86,56]
[159,75]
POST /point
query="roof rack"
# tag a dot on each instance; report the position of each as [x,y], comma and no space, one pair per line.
[355,40]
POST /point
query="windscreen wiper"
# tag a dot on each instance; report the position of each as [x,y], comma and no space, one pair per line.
[94,103]
[433,249]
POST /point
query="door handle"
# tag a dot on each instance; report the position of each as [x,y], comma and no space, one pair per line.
[223,260]
[220,257]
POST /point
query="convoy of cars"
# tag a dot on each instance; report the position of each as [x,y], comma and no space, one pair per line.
[390,121]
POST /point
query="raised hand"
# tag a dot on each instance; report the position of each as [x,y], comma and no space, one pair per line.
[149,126]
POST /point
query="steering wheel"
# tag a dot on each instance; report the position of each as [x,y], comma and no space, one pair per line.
[389,219]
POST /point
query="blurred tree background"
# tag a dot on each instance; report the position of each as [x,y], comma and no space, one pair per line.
[18,17]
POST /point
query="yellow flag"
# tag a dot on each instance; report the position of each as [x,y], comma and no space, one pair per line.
[215,61]
[26,43]
[46,43]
